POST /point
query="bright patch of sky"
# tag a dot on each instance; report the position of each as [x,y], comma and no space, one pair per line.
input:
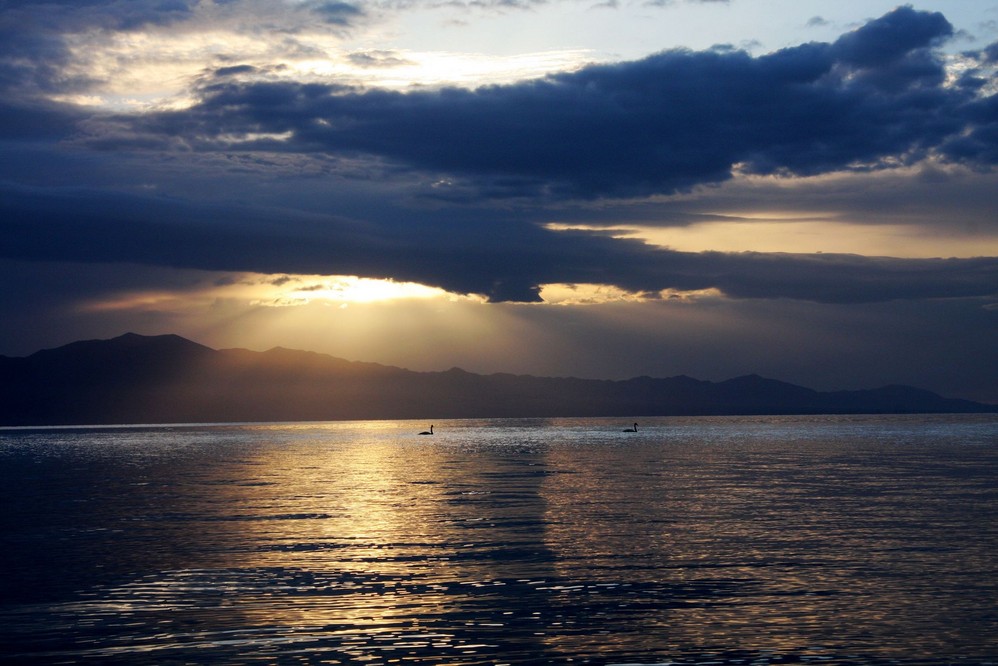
[440,44]
[631,29]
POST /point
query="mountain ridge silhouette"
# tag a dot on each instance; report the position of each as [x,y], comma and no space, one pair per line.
[169,379]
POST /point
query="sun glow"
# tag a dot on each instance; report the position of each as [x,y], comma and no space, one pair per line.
[340,290]
[268,291]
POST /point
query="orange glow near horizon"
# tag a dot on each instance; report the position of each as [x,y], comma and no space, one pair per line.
[402,324]
[270,292]
[770,233]
[273,291]
[595,294]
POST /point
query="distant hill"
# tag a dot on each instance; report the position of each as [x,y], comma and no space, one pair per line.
[168,379]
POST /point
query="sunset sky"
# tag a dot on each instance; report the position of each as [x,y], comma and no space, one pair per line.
[801,189]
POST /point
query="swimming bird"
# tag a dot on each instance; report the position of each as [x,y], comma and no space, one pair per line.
[634,429]
[427,432]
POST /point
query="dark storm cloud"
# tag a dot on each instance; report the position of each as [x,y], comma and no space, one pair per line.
[892,37]
[115,14]
[978,146]
[33,47]
[37,120]
[505,262]
[875,98]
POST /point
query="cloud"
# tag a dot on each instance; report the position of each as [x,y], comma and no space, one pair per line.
[874,99]
[112,14]
[507,262]
[338,13]
[44,46]
[669,3]
[977,146]
[892,38]
[234,70]
[30,120]
[377,58]
[452,187]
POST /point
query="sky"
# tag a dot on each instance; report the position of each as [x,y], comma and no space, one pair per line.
[800,189]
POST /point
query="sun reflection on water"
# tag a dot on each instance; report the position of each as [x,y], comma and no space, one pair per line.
[540,542]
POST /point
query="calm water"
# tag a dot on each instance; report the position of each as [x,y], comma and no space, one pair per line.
[860,540]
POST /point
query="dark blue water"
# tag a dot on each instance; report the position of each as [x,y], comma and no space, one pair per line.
[837,540]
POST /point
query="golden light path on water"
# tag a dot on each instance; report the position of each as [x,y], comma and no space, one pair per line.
[762,540]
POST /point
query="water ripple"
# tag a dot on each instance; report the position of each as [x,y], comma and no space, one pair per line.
[823,540]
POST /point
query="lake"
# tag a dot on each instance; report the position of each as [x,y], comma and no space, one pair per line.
[738,540]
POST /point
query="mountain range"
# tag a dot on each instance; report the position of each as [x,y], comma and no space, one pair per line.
[169,379]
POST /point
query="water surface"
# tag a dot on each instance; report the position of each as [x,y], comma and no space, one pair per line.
[866,540]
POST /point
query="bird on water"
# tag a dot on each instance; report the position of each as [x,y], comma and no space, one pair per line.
[427,432]
[634,429]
